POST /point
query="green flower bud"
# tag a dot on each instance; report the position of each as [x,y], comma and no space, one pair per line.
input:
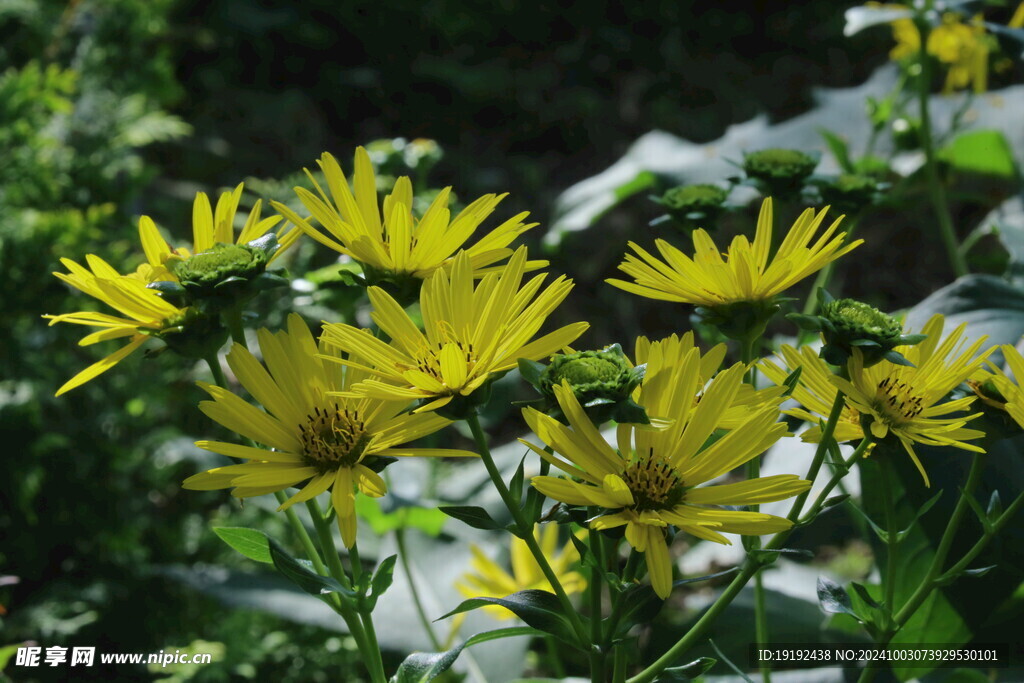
[851,192]
[226,274]
[193,334]
[781,171]
[602,381]
[693,206]
[846,323]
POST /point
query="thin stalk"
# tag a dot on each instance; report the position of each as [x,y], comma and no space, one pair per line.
[553,658]
[748,354]
[619,665]
[597,657]
[819,454]
[368,646]
[892,542]
[525,528]
[216,371]
[841,472]
[935,570]
[935,190]
[233,320]
[421,613]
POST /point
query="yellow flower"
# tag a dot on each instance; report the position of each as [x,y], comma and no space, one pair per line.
[489,580]
[745,275]
[1008,388]
[651,480]
[319,438]
[815,393]
[209,227]
[1017,20]
[674,349]
[962,47]
[471,332]
[145,312]
[907,401]
[397,243]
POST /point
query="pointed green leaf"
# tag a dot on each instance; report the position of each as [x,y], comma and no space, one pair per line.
[833,598]
[539,609]
[475,517]
[252,543]
[303,576]
[421,667]
[686,672]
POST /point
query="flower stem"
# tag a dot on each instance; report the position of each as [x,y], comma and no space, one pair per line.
[930,581]
[819,455]
[217,371]
[421,613]
[597,657]
[935,190]
[526,530]
[233,320]
[368,646]
[892,533]
[748,353]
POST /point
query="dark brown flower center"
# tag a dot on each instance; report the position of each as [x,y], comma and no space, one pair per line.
[333,437]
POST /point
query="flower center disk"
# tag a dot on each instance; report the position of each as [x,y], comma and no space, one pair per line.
[654,483]
[333,438]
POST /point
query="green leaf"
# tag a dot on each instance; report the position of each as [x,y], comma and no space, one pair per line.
[476,517]
[428,520]
[686,672]
[918,515]
[539,609]
[882,534]
[515,486]
[301,575]
[988,304]
[981,151]
[252,543]
[420,667]
[792,381]
[383,577]
[531,370]
[642,606]
[840,150]
[833,598]
[979,572]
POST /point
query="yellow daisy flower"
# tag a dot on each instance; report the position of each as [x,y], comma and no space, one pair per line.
[490,580]
[907,401]
[317,437]
[471,333]
[674,349]
[210,227]
[651,480]
[146,313]
[815,393]
[746,274]
[1009,389]
[962,47]
[396,242]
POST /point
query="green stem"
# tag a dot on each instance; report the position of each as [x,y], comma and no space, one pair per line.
[892,542]
[525,529]
[696,633]
[597,657]
[619,663]
[748,353]
[368,646]
[216,371]
[819,454]
[935,569]
[421,613]
[841,472]
[935,189]
[553,658]
[233,320]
